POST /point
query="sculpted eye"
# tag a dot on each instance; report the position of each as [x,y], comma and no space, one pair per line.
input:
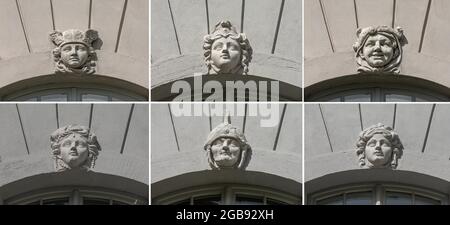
[371,144]
[218,47]
[67,143]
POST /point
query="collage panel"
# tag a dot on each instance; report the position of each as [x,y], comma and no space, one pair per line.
[74,154]
[376,154]
[85,50]
[376,51]
[226,154]
[237,50]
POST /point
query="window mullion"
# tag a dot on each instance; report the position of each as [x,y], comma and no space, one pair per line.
[379,195]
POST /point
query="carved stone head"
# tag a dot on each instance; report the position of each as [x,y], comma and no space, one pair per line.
[379,49]
[226,51]
[74,147]
[227,148]
[73,52]
[379,147]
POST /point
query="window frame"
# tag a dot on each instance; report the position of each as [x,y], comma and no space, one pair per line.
[377,93]
[228,194]
[379,192]
[73,92]
[75,195]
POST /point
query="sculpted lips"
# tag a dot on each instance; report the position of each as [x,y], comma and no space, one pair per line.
[225,56]
[73,153]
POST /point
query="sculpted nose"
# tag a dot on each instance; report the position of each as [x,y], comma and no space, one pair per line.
[378,146]
[377,46]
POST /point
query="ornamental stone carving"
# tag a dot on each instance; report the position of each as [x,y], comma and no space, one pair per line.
[379,49]
[74,147]
[226,51]
[379,147]
[226,147]
[74,51]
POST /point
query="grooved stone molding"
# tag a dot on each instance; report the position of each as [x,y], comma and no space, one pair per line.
[74,51]
[226,147]
[379,147]
[74,147]
[226,51]
[379,49]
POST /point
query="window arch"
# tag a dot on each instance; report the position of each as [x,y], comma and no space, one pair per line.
[75,196]
[377,88]
[227,194]
[56,93]
[379,194]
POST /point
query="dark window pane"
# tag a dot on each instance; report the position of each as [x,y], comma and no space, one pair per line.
[249,200]
[335,200]
[95,201]
[359,198]
[35,99]
[93,98]
[270,201]
[397,198]
[357,98]
[398,98]
[335,100]
[183,202]
[56,201]
[35,203]
[208,200]
[421,200]
[114,202]
[54,98]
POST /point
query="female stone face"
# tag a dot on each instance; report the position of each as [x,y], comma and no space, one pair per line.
[225,151]
[74,55]
[378,50]
[226,54]
[378,151]
[74,150]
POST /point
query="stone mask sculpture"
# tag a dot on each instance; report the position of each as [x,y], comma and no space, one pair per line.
[226,51]
[73,52]
[74,147]
[379,147]
[379,49]
[226,147]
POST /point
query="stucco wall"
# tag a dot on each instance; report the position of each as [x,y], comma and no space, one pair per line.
[25,49]
[273,29]
[26,152]
[330,31]
[177,147]
[331,132]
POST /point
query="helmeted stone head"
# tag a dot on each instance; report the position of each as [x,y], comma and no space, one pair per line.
[226,147]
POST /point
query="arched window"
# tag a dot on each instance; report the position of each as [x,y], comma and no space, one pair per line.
[75,196]
[379,194]
[227,195]
[377,94]
[63,94]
